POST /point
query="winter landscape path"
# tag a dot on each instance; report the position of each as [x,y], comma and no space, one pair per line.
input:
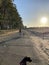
[14,47]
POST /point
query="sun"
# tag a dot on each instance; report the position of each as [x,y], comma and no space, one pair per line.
[44,20]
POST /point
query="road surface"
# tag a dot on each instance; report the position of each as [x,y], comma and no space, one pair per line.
[14,47]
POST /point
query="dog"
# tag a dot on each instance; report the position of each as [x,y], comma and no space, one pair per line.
[25,59]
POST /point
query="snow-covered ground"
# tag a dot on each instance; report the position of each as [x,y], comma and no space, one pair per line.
[41,41]
[32,44]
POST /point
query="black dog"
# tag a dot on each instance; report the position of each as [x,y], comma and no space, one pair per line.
[25,59]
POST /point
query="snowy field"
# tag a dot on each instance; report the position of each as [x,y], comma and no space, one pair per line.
[40,37]
[33,43]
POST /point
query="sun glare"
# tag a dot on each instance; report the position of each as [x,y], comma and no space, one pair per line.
[43,20]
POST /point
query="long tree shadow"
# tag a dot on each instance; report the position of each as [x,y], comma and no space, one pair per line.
[15,38]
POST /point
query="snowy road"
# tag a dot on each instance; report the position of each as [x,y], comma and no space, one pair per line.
[12,51]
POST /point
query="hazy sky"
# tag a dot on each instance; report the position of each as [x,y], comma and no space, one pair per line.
[32,11]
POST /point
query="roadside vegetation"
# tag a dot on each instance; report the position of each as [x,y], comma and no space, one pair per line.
[9,16]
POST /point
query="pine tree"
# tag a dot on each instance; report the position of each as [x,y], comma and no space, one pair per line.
[9,16]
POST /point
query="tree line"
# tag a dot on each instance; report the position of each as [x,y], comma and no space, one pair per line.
[9,16]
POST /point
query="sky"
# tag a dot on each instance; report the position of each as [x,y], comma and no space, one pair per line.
[32,11]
